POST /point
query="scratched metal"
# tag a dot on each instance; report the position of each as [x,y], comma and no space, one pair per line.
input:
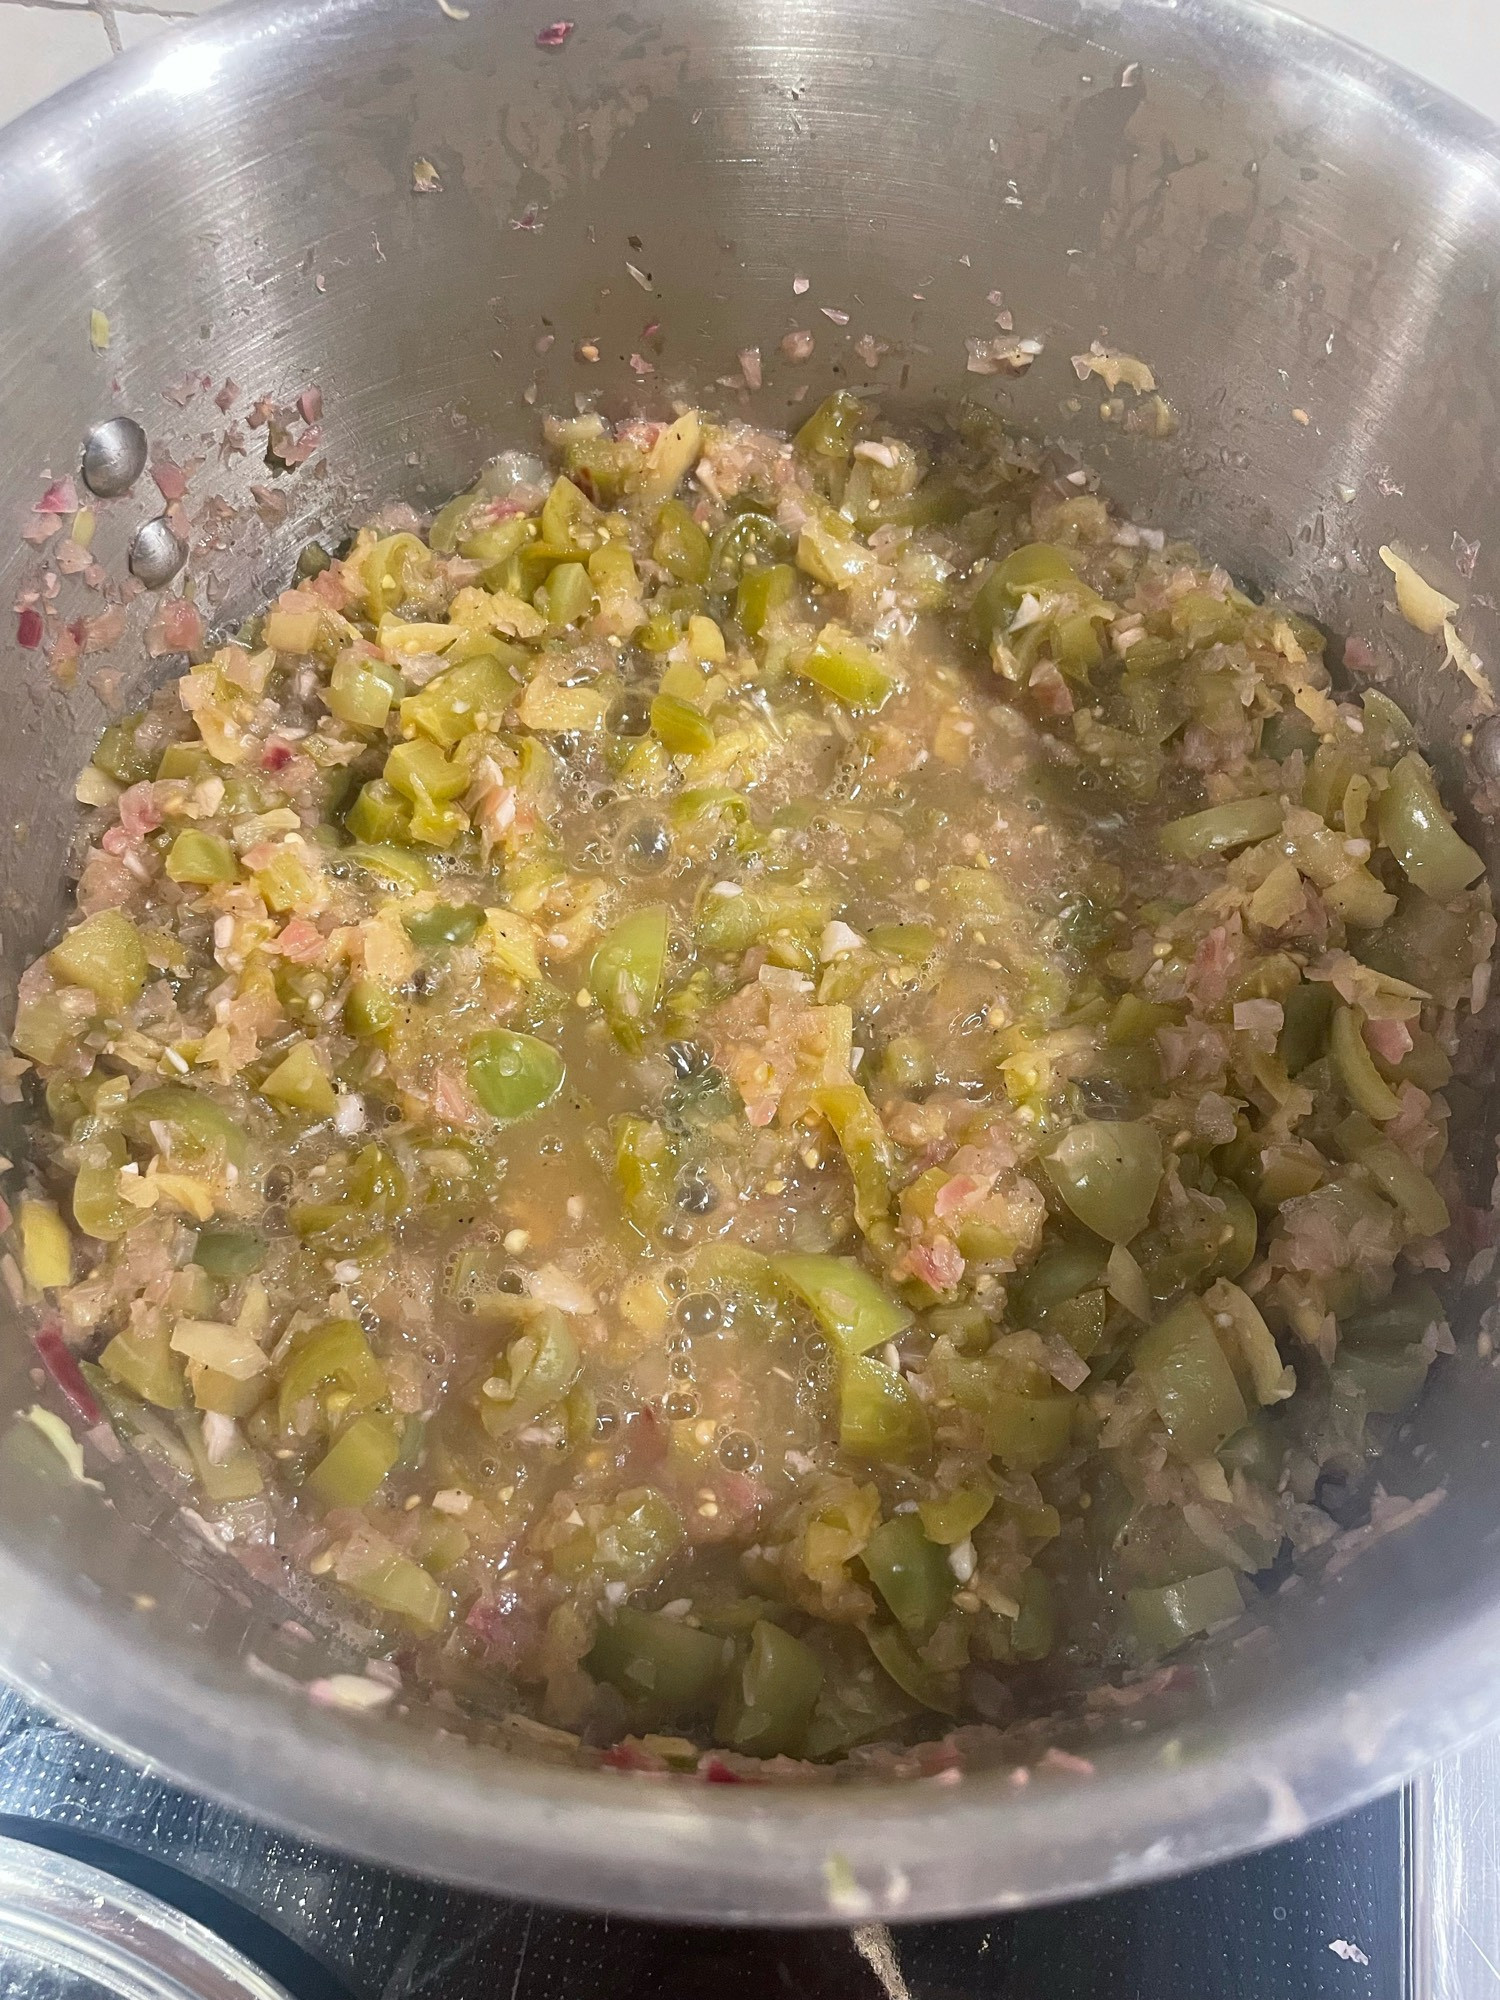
[1280,223]
[1455,1865]
[328,1929]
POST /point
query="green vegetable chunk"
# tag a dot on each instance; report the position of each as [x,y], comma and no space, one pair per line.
[105,954]
[513,1076]
[1108,1174]
[1420,833]
[353,1470]
[769,1706]
[626,974]
[911,1573]
[1190,1381]
[665,1666]
[850,1305]
[1163,1618]
[879,1417]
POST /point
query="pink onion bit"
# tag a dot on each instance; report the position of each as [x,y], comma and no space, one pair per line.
[554,36]
[29,628]
[62,1365]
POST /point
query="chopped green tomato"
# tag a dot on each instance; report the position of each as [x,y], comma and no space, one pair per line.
[848,669]
[444,924]
[879,1417]
[1108,1174]
[105,954]
[396,867]
[354,1468]
[419,771]
[1221,829]
[1417,830]
[46,1248]
[852,1307]
[232,1475]
[1027,1432]
[979,1149]
[370,1009]
[1366,1088]
[955,1517]
[665,1666]
[329,1366]
[300,1082]
[1190,1381]
[1163,1618]
[770,1704]
[201,858]
[185,1125]
[141,1360]
[626,974]
[229,1253]
[469,696]
[911,1573]
[397,1585]
[513,1076]
[537,1370]
[682,728]
[99,1209]
[910,1671]
[681,547]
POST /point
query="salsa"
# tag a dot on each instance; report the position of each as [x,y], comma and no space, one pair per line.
[756,1093]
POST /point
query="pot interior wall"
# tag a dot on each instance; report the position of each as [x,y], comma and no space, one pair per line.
[1304,254]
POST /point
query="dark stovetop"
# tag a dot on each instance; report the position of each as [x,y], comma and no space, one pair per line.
[331,1929]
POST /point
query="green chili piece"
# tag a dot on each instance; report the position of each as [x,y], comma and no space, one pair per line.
[236,1477]
[443,924]
[201,858]
[570,521]
[762,593]
[1396,1174]
[1165,1617]
[378,816]
[513,1075]
[1108,1174]
[680,545]
[1190,1381]
[626,974]
[645,1165]
[848,669]
[1366,1089]
[1221,829]
[747,542]
[879,1417]
[1240,1234]
[911,1573]
[536,1371]
[353,1470]
[669,1668]
[848,1303]
[1421,835]
[361,690]
[770,1704]
[119,755]
[833,428]
[105,954]
[684,729]
[862,1140]
[910,1671]
[327,1363]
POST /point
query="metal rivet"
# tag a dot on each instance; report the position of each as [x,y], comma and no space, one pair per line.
[114,457]
[1486,751]
[156,553]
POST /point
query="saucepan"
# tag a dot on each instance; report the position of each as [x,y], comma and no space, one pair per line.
[454,217]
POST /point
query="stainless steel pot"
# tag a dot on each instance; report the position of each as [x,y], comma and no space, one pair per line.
[1306,247]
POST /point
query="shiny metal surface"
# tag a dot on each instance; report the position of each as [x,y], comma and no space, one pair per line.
[1304,244]
[113,457]
[156,553]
